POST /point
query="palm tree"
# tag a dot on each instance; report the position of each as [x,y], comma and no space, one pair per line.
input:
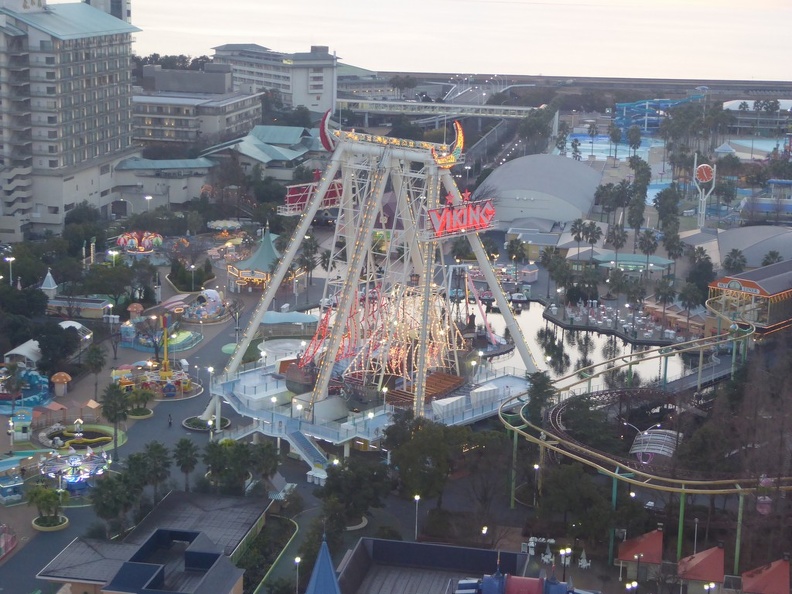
[734,262]
[665,294]
[615,134]
[95,361]
[634,138]
[48,502]
[547,259]
[698,254]
[115,408]
[575,149]
[623,192]
[647,243]
[689,297]
[635,293]
[515,250]
[326,260]
[14,382]
[617,281]
[593,234]
[112,499]
[185,455]
[158,465]
[592,132]
[214,457]
[617,237]
[772,257]
[674,247]
[578,231]
[264,459]
[140,397]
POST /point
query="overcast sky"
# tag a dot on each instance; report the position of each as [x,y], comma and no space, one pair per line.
[727,39]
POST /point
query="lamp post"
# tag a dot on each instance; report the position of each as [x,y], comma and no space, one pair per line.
[637,558]
[10,260]
[384,398]
[11,435]
[210,422]
[565,553]
[695,535]
[211,371]
[481,356]
[192,270]
[417,499]
[297,568]
[112,254]
[148,202]
[631,586]
[710,588]
[483,535]
[536,482]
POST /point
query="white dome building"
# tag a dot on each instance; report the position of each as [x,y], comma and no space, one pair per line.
[540,192]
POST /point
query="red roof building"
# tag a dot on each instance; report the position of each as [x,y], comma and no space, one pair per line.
[646,550]
[772,578]
[706,566]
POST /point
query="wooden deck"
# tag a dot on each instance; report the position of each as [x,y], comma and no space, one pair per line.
[382,579]
[438,385]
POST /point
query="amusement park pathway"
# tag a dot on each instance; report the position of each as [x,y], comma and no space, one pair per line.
[17,572]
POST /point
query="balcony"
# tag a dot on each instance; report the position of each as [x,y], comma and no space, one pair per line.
[19,183]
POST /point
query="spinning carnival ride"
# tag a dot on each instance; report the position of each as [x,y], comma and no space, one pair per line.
[387,325]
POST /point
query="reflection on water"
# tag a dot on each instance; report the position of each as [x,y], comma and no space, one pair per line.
[561,352]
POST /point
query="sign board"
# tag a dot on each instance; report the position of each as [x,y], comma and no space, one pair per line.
[735,285]
[459,219]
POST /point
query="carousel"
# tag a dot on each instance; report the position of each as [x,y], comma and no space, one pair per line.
[159,377]
[74,470]
[139,243]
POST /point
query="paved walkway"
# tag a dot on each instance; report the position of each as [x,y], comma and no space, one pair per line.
[36,550]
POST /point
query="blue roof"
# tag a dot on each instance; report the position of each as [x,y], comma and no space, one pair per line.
[288,317]
[273,143]
[323,578]
[264,257]
[73,21]
[137,163]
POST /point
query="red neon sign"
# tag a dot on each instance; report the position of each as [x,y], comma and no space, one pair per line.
[462,218]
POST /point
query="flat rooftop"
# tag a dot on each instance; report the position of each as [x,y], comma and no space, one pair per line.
[384,579]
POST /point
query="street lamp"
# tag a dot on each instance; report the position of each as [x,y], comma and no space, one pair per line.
[565,557]
[483,534]
[209,423]
[417,499]
[695,534]
[536,482]
[710,587]
[297,567]
[113,254]
[148,203]
[10,260]
[631,586]
[192,269]
[637,558]
[384,398]
[211,371]
[11,435]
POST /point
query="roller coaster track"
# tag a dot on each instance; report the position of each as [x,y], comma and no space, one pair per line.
[613,466]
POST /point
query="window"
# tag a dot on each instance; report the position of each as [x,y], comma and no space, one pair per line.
[53,163]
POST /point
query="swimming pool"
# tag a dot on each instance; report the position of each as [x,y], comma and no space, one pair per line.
[602,147]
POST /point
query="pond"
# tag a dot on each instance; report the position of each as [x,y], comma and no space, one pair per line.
[560,352]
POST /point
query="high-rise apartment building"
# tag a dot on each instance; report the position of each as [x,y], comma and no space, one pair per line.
[65,111]
[302,79]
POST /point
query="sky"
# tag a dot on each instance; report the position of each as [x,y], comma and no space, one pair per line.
[707,39]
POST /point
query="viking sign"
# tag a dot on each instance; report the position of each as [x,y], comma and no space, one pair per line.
[457,219]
